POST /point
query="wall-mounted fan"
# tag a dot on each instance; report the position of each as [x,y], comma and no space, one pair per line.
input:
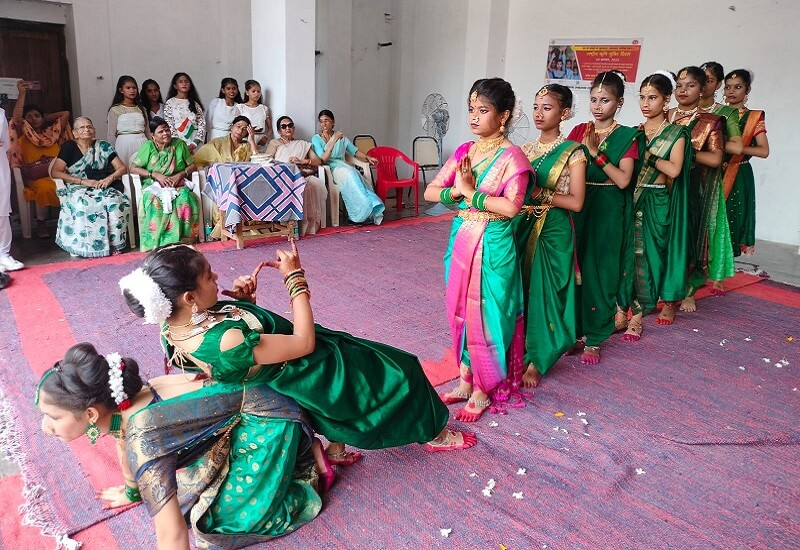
[518,131]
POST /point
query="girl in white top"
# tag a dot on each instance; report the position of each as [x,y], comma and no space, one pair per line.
[258,113]
[127,120]
[150,97]
[223,109]
[184,112]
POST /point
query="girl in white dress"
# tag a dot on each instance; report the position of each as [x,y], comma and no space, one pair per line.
[184,112]
[223,109]
[258,113]
[127,120]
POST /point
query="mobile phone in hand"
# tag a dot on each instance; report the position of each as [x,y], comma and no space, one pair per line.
[33,85]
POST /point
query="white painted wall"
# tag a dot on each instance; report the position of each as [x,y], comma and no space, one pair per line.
[208,39]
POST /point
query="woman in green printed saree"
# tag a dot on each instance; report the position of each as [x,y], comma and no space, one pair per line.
[544,234]
[659,251]
[488,180]
[604,224]
[712,254]
[168,209]
[738,182]
[93,221]
[233,459]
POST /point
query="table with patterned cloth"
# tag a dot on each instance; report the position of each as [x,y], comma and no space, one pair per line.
[248,192]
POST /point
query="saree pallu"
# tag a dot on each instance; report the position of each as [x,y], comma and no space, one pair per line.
[603,230]
[363,393]
[174,218]
[546,250]
[361,202]
[248,471]
[712,254]
[660,248]
[32,151]
[739,185]
[484,288]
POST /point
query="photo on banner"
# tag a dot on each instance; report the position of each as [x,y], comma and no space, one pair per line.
[574,62]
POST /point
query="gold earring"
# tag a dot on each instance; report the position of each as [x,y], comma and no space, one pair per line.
[502,128]
[92,433]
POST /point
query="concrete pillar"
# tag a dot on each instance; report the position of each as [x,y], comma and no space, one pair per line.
[283,35]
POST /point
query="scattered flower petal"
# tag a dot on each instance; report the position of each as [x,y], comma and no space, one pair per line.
[487,491]
[696,330]
[559,413]
[748,339]
[517,496]
[766,359]
[473,474]
[640,471]
[503,547]
[521,472]
[741,368]
[517,433]
[564,430]
[790,338]
[555,428]
[581,413]
[493,424]
[784,362]
[586,434]
[779,365]
[584,422]
[445,532]
[723,342]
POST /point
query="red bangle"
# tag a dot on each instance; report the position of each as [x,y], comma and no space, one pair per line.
[601,160]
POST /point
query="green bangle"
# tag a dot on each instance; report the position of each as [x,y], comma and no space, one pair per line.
[479,200]
[446,196]
[132,493]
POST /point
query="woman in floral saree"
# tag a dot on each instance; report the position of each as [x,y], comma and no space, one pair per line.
[169,211]
[94,212]
[488,180]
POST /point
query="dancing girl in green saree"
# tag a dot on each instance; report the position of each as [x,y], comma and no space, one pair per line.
[603,227]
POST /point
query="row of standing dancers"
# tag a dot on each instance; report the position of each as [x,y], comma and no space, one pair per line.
[563,241]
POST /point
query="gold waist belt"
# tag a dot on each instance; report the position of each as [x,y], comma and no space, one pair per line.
[536,211]
[481,216]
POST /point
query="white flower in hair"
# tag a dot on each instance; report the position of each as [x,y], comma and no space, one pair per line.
[142,287]
[667,74]
[115,368]
[516,115]
[752,75]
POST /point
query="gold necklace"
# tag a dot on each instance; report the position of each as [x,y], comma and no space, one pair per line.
[544,149]
[604,131]
[487,145]
[651,134]
[684,114]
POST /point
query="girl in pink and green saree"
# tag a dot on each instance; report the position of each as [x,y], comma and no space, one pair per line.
[488,181]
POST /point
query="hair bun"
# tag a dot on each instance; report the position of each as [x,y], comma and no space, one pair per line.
[669,76]
[619,74]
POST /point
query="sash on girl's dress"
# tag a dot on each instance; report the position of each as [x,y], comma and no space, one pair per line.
[748,133]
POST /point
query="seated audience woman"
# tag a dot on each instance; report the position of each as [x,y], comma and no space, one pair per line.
[183,111]
[361,202]
[94,211]
[35,141]
[128,122]
[169,212]
[300,153]
[219,428]
[237,146]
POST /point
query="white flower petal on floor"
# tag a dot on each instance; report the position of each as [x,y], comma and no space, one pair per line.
[445,532]
[517,496]
[521,471]
[493,424]
[640,471]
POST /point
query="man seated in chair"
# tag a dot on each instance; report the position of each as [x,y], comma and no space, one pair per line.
[300,153]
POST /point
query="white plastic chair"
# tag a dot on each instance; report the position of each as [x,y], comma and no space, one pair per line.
[23,206]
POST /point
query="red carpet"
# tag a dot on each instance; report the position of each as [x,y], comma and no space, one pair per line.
[687,439]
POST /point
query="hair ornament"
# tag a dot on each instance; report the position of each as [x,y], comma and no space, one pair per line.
[115,367]
[543,92]
[45,376]
[619,74]
[142,287]
[516,115]
[473,96]
[668,76]
[752,75]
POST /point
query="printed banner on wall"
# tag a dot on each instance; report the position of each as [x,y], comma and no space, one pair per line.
[575,62]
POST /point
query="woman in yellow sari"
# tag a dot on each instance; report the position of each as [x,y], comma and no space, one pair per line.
[36,139]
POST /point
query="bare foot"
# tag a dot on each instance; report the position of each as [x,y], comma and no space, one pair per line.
[475,407]
[717,289]
[591,355]
[458,394]
[451,440]
[531,377]
[667,315]
[635,329]
[620,320]
[688,304]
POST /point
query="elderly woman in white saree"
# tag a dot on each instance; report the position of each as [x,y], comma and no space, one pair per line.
[300,153]
[94,212]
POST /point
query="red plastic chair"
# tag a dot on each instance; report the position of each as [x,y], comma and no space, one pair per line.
[387,175]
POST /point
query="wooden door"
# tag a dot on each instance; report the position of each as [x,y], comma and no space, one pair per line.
[36,51]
